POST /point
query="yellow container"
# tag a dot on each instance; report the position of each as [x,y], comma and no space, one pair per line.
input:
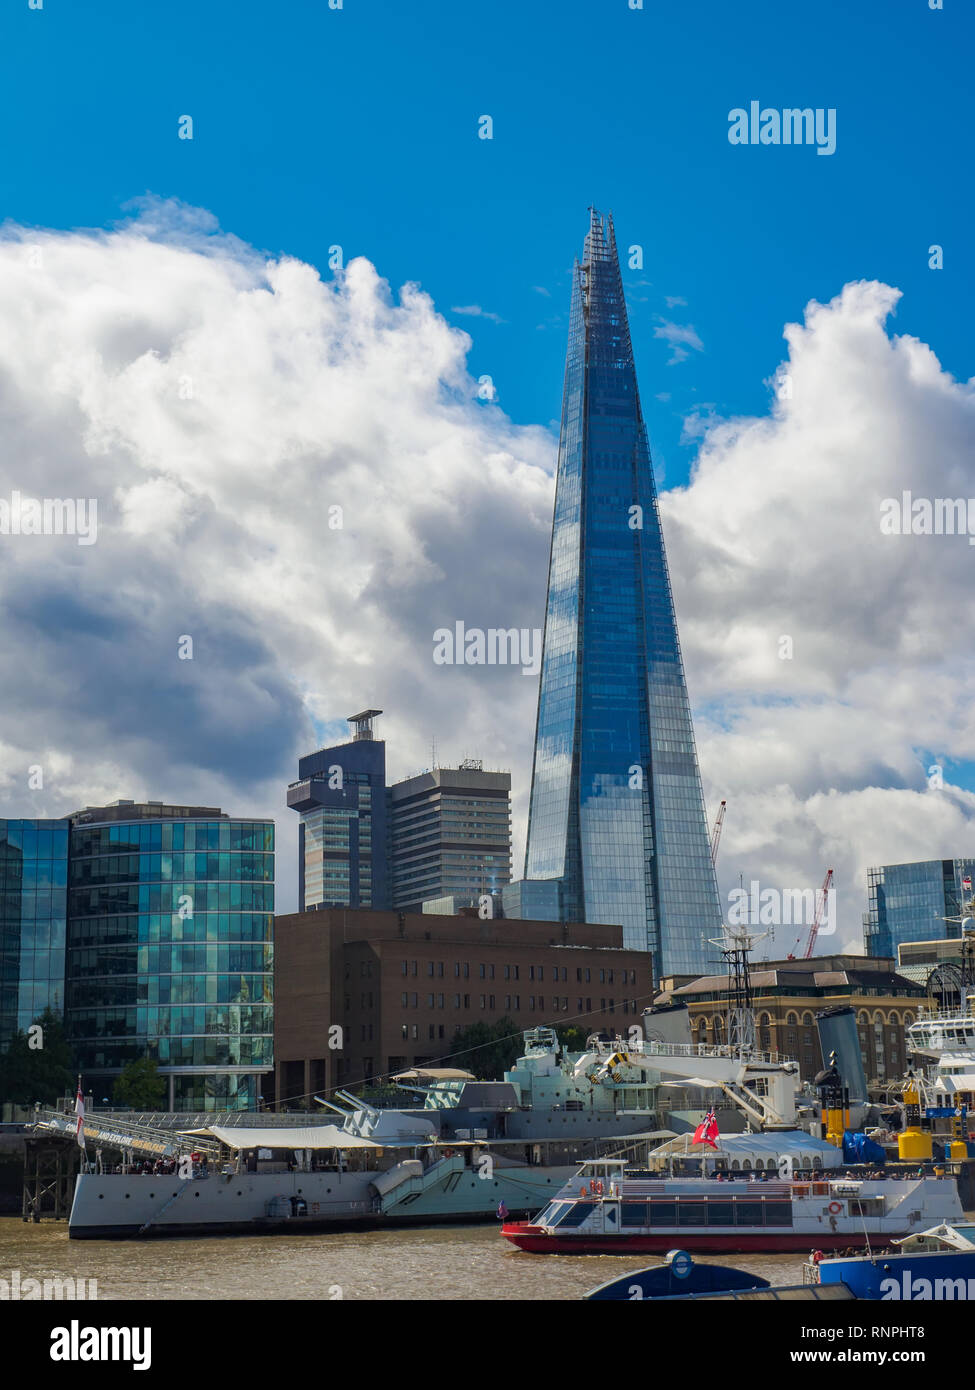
[914,1143]
[959,1149]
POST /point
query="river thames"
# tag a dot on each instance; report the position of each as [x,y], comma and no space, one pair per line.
[443,1263]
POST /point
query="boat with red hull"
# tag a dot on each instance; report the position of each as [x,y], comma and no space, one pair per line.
[622,1212]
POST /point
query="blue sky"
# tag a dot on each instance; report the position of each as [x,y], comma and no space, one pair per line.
[358,127]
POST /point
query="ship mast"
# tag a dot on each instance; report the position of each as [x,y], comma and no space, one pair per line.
[736,946]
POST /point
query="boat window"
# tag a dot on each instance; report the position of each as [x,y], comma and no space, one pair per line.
[721,1213]
[577,1213]
[748,1214]
[663,1213]
[634,1214]
[553,1214]
[692,1213]
[778,1213]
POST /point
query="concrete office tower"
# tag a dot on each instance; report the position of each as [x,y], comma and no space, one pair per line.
[617,812]
[450,835]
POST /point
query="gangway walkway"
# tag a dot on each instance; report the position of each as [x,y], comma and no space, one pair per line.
[126,1135]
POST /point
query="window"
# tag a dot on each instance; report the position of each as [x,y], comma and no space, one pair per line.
[404,999]
[483,1001]
[439,1001]
[482,971]
[405,967]
[634,1214]
[456,1001]
[577,1214]
[721,1213]
[692,1213]
[507,972]
[490,1001]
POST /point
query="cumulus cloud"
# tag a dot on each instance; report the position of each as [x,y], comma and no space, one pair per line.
[830,662]
[228,412]
[297,474]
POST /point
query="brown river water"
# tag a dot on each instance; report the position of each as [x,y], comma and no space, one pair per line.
[441,1262]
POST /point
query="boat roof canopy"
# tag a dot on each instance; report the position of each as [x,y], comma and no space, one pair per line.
[308,1137]
[434,1074]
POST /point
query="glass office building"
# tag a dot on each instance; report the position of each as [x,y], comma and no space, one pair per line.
[169,949]
[915,902]
[340,795]
[33,911]
[617,811]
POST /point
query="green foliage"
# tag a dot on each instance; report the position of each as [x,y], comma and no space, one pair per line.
[573,1038]
[487,1049]
[140,1085]
[38,1066]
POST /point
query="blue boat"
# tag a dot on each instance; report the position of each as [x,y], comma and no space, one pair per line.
[677,1277]
[934,1265]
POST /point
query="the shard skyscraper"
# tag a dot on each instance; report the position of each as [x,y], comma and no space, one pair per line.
[617,811]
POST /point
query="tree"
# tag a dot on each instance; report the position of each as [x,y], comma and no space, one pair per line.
[573,1038]
[140,1085]
[487,1049]
[38,1066]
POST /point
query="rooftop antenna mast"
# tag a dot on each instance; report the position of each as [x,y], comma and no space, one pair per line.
[736,945]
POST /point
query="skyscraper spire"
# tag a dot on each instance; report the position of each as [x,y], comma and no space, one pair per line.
[617,812]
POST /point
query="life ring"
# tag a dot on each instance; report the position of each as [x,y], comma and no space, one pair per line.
[583,1191]
[599,1189]
[836,1207]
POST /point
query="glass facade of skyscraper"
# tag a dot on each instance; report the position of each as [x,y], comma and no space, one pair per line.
[340,795]
[33,911]
[169,949]
[617,811]
[915,902]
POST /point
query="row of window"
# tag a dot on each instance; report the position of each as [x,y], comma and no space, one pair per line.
[513,1001]
[512,972]
[178,835]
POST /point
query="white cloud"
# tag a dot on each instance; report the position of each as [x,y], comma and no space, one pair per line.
[680,336]
[823,757]
[475,311]
[217,406]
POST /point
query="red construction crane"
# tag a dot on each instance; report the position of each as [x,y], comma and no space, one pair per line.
[716,831]
[821,901]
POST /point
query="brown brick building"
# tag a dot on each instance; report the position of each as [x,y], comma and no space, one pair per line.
[787,994]
[359,994]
